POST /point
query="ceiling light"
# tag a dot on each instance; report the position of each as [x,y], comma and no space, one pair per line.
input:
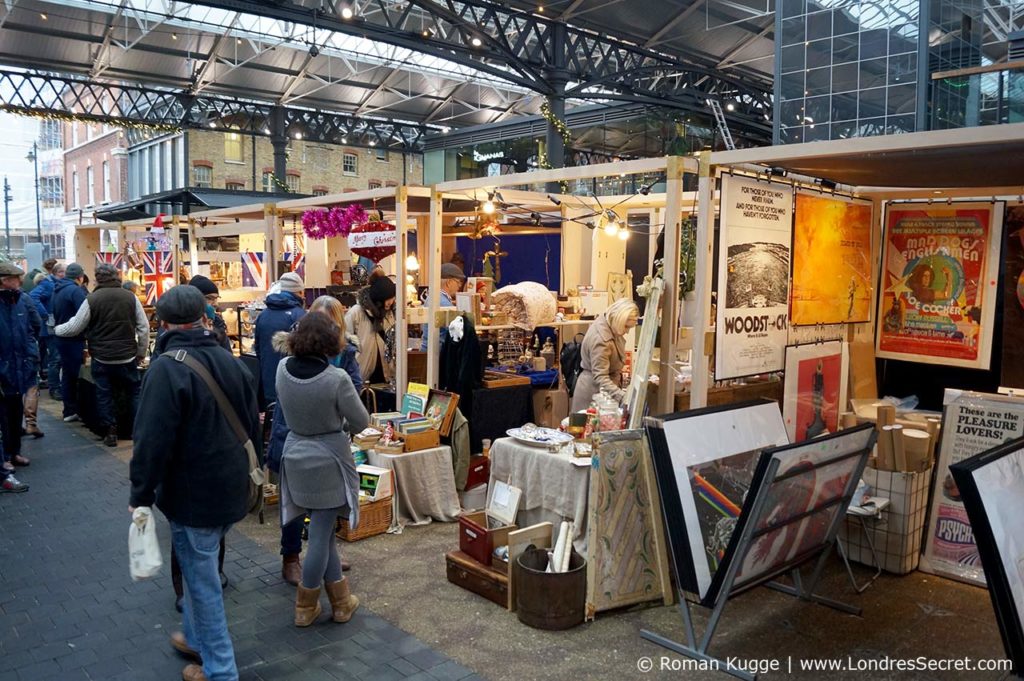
[540,9]
[427,33]
[344,140]
[623,234]
[373,143]
[238,41]
[730,106]
[298,135]
[487,207]
[174,36]
[42,15]
[445,130]
[476,42]
[346,12]
[213,124]
[412,263]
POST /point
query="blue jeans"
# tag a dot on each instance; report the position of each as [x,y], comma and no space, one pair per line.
[291,537]
[53,363]
[104,376]
[204,620]
[70,353]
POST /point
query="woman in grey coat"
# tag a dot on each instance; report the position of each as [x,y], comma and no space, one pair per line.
[318,474]
[604,354]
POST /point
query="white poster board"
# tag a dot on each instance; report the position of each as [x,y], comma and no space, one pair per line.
[753,277]
[971,423]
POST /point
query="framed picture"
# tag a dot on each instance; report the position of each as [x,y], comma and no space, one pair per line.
[441,407]
[704,462]
[620,285]
[814,394]
[802,491]
[991,486]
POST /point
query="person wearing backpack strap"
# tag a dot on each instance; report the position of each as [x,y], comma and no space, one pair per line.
[189,459]
[603,354]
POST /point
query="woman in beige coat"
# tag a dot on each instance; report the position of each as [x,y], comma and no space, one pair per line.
[604,354]
[370,319]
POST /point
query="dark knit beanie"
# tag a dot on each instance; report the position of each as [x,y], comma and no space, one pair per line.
[205,286]
[382,289]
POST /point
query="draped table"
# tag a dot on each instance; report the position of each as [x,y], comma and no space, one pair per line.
[424,485]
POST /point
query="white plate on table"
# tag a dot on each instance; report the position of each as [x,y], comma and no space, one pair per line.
[540,437]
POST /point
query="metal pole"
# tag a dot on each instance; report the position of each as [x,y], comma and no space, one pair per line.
[39,219]
[7,218]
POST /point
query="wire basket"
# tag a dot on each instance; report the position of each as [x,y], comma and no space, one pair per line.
[511,345]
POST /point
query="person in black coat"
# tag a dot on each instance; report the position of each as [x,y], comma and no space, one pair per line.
[69,294]
[189,462]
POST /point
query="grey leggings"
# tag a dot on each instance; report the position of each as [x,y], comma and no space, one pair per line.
[322,563]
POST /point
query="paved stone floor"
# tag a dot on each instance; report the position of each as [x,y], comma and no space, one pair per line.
[69,610]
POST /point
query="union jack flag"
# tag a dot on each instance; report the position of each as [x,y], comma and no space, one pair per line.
[297,261]
[158,273]
[109,259]
[254,274]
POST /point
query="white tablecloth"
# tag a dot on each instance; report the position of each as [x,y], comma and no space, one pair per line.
[554,488]
[424,485]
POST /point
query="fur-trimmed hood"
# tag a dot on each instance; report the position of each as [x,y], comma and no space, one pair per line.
[374,311]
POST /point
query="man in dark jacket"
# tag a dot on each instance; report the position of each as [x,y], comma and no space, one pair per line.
[69,294]
[284,308]
[19,359]
[49,362]
[117,329]
[190,462]
[212,295]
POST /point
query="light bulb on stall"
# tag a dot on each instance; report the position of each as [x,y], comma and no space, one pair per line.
[412,263]
[611,228]
[487,207]
[623,234]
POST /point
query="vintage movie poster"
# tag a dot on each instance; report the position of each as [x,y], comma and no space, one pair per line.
[831,260]
[971,423]
[814,394]
[1013,300]
[753,277]
[940,267]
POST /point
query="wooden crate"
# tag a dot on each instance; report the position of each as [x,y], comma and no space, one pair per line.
[374,519]
[428,439]
[731,394]
[499,379]
[465,572]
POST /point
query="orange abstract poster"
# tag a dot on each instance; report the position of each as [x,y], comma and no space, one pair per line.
[940,265]
[831,260]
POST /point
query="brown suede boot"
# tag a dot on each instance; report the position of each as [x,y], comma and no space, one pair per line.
[343,603]
[291,569]
[307,606]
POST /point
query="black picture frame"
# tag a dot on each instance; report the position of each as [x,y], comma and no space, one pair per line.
[1008,617]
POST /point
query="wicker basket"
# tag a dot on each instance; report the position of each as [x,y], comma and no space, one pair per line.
[374,519]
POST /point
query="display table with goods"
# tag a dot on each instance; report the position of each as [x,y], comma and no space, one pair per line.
[424,485]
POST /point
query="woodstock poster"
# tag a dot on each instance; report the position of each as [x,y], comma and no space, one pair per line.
[940,267]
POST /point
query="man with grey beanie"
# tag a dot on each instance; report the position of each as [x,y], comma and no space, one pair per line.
[188,460]
[116,327]
[69,294]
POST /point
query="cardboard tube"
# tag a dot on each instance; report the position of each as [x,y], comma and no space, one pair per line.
[899,454]
[849,420]
[916,443]
[885,454]
[886,415]
[934,426]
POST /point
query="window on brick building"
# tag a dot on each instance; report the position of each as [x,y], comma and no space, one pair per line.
[233,147]
[202,176]
[234,186]
[106,182]
[268,182]
[75,189]
[349,164]
[374,184]
[319,191]
[293,183]
[90,184]
[382,154]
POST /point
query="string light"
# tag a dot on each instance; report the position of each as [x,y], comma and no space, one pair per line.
[487,208]
[72,118]
[611,228]
[623,234]
[563,130]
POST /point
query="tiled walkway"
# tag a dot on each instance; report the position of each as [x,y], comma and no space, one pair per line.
[69,610]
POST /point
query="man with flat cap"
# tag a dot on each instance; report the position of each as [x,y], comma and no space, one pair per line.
[19,362]
[452,281]
[190,462]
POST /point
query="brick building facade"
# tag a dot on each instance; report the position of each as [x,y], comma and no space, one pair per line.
[95,167]
[225,161]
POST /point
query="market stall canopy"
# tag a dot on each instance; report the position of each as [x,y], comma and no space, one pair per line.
[182,201]
[990,156]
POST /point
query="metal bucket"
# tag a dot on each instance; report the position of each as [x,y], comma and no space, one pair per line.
[550,600]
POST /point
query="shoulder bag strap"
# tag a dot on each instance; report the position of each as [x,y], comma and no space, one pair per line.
[255,469]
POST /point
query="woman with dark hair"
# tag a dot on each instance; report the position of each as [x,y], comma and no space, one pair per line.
[370,319]
[922,284]
[318,473]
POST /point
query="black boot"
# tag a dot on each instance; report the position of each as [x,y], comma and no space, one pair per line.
[111,439]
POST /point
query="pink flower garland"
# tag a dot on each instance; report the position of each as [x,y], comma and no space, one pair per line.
[324,223]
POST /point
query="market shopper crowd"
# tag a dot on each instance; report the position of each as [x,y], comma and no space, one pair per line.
[188,459]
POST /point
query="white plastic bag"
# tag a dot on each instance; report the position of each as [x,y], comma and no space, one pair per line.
[144,559]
